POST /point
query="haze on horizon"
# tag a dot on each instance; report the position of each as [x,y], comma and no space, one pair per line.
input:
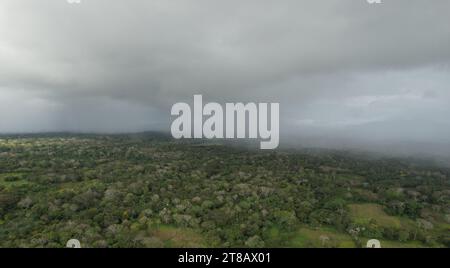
[346,73]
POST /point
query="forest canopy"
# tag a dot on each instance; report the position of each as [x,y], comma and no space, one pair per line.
[148,190]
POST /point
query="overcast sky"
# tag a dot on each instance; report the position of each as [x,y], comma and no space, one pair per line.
[339,68]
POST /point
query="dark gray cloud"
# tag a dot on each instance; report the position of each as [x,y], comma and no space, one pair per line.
[338,68]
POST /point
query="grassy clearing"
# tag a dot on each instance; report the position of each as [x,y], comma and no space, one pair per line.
[396,244]
[321,237]
[178,237]
[364,213]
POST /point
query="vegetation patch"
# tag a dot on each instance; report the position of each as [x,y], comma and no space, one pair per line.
[178,237]
[366,213]
[322,238]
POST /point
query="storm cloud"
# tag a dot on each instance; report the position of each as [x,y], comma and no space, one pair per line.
[341,70]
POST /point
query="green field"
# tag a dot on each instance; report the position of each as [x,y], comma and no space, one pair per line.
[365,213]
